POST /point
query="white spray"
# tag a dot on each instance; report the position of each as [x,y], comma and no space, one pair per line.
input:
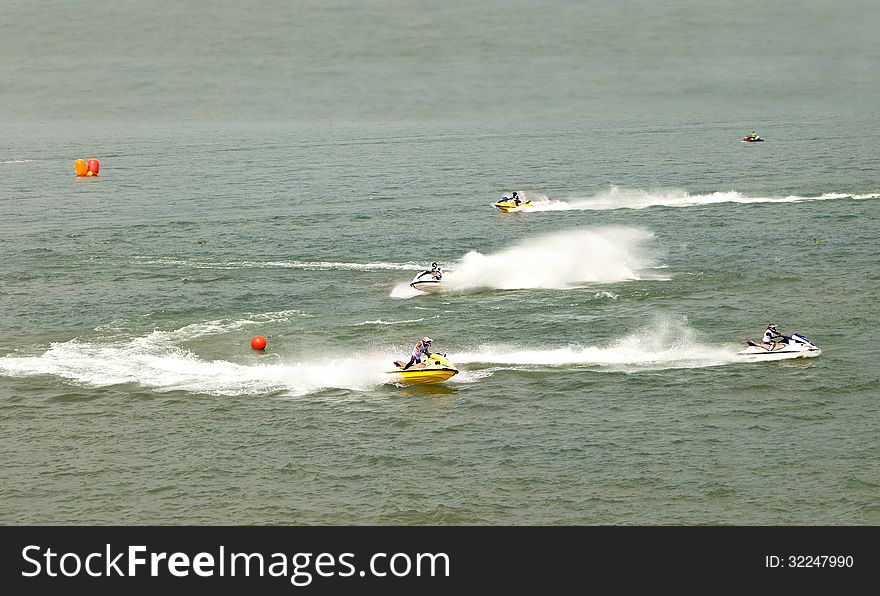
[562,260]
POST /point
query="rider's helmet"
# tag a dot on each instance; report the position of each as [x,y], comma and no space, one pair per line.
[426,340]
[514,194]
[434,264]
[771,327]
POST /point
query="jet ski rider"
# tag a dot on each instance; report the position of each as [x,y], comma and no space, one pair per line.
[515,198]
[422,347]
[436,271]
[771,334]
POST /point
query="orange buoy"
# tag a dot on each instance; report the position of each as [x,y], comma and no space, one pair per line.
[80,167]
[258,342]
[94,166]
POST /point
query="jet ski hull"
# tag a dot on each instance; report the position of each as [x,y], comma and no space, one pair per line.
[423,376]
[757,353]
[431,286]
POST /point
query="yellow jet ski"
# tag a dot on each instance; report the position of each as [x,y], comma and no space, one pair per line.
[435,369]
[508,204]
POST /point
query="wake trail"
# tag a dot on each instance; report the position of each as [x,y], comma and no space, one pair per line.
[618,198]
[156,360]
[668,342]
[301,265]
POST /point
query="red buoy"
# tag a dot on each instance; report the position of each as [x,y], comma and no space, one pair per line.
[93,167]
[258,342]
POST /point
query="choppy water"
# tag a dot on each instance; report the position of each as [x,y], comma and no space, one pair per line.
[285,171]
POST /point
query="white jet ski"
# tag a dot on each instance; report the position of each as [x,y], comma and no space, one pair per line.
[793,346]
[425,281]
